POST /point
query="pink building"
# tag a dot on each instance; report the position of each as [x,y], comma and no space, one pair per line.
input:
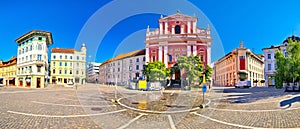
[178,35]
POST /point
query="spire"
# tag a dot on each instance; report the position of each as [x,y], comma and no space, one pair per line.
[148,29]
[208,27]
[83,48]
[241,44]
[161,16]
[194,15]
[178,11]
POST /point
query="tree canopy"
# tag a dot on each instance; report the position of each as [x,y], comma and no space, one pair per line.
[155,71]
[193,68]
[288,68]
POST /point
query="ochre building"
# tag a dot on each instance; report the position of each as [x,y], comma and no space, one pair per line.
[226,69]
[8,72]
[68,66]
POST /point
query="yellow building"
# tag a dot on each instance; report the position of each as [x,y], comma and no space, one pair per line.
[8,72]
[68,66]
[32,65]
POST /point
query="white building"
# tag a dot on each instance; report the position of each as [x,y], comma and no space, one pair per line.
[123,68]
[32,64]
[270,61]
[93,68]
[80,65]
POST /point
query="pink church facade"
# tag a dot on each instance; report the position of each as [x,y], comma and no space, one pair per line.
[178,35]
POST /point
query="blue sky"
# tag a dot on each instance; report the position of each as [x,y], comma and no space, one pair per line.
[259,23]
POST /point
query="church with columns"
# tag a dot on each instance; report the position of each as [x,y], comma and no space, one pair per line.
[178,35]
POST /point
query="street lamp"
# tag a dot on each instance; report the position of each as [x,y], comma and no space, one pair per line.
[115,100]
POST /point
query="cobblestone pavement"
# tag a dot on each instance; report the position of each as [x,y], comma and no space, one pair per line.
[91,106]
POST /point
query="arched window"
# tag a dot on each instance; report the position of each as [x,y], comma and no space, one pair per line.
[177,29]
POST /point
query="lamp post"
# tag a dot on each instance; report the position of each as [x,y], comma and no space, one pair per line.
[115,100]
[6,83]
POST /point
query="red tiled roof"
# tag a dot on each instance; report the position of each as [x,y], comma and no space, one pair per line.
[122,56]
[10,62]
[62,50]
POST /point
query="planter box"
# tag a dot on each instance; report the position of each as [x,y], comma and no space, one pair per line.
[284,85]
[297,88]
[155,86]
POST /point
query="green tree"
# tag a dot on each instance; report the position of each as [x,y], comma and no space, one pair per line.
[191,66]
[288,68]
[208,72]
[293,51]
[281,69]
[155,71]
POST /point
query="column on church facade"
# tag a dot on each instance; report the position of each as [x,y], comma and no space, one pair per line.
[194,27]
[147,54]
[173,30]
[166,28]
[182,29]
[188,50]
[194,50]
[189,27]
[166,55]
[160,28]
[160,53]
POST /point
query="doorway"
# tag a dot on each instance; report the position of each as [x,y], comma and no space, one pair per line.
[11,81]
[177,75]
[28,82]
[38,82]
[21,83]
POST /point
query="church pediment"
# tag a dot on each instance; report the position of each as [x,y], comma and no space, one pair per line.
[178,17]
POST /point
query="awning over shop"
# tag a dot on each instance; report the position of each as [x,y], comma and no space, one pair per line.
[11,78]
[1,78]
